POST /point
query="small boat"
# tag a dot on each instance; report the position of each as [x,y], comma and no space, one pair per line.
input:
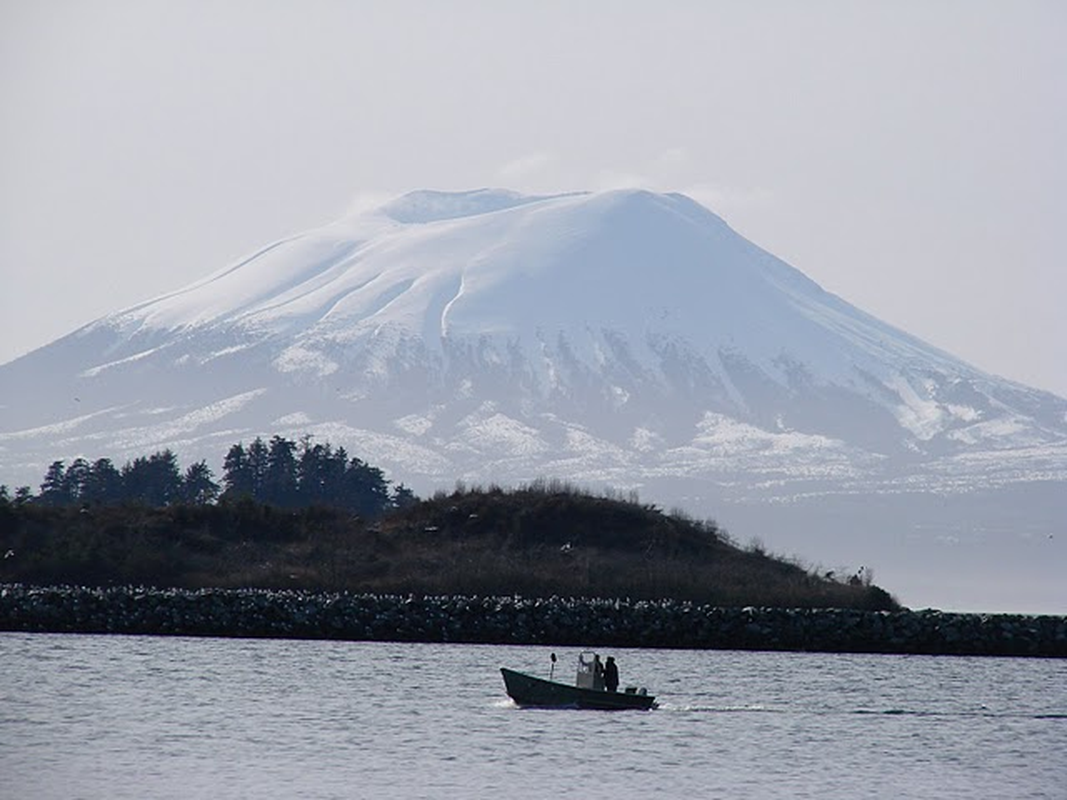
[587,691]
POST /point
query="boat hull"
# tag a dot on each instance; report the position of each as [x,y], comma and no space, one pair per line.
[527,690]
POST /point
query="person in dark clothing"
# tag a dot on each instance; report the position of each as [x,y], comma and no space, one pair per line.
[611,675]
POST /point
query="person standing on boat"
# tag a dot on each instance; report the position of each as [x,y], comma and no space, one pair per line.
[611,675]
[598,674]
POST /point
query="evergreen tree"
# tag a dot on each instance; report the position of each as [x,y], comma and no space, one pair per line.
[280,481]
[154,481]
[403,497]
[104,483]
[76,480]
[54,486]
[309,472]
[366,491]
[198,485]
[166,477]
[258,462]
[237,474]
[321,474]
[135,480]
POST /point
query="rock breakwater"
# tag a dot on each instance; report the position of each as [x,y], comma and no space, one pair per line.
[516,620]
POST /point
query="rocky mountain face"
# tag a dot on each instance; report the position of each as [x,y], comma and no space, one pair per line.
[625,338]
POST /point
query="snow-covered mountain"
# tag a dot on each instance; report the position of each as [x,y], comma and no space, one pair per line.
[622,338]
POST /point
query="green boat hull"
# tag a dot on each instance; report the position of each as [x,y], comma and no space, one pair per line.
[527,690]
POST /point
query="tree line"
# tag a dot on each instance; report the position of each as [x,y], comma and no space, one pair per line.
[280,472]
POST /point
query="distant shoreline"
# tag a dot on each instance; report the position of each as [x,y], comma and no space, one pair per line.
[264,613]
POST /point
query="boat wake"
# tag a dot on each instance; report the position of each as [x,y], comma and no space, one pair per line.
[704,709]
[886,712]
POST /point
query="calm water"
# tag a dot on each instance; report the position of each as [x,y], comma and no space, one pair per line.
[143,717]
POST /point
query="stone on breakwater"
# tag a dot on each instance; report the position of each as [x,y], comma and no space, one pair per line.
[517,620]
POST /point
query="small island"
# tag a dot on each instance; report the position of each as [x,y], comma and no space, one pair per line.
[545,563]
[538,541]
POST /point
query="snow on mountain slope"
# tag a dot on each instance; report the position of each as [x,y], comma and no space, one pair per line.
[621,333]
[631,261]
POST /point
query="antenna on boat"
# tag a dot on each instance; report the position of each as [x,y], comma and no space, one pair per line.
[552,671]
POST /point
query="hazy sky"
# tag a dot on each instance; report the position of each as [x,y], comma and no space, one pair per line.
[908,156]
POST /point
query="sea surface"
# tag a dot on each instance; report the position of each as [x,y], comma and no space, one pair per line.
[157,717]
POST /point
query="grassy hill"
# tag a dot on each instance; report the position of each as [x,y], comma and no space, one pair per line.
[537,541]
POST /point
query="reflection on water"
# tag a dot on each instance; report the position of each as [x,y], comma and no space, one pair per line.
[114,717]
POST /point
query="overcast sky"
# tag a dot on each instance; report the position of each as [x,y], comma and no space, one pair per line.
[908,156]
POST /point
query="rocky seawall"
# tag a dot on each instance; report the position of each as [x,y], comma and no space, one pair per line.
[516,620]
